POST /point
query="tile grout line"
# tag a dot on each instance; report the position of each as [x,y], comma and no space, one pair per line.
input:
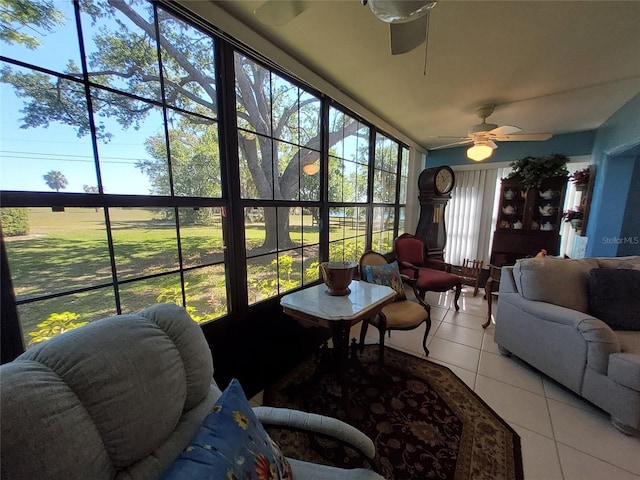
[553,429]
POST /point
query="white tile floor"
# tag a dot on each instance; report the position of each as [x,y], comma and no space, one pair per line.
[563,437]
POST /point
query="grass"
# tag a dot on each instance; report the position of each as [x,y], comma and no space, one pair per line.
[69,250]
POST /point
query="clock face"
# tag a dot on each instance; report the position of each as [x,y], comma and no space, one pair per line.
[444,181]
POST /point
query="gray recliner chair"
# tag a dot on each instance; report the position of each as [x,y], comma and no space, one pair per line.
[121,398]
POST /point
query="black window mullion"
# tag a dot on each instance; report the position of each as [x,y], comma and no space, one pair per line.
[324,179]
[165,118]
[96,158]
[233,227]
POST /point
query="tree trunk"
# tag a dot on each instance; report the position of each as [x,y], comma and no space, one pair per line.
[277,230]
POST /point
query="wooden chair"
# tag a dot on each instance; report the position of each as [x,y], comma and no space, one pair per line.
[399,315]
[423,273]
[470,273]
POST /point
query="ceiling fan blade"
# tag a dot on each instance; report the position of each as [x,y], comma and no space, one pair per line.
[492,144]
[464,142]
[407,36]
[505,130]
[525,137]
[279,12]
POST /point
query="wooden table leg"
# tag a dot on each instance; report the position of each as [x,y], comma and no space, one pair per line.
[340,337]
[488,289]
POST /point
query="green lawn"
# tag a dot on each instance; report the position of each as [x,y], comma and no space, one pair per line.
[69,250]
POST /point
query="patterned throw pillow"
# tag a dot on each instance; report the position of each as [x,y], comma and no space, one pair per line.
[388,275]
[231,443]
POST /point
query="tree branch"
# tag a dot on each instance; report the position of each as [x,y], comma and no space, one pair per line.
[150,30]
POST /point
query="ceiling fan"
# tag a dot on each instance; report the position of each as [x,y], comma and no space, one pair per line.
[484,135]
[408,19]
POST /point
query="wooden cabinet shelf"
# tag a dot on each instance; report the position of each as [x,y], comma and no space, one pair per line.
[528,220]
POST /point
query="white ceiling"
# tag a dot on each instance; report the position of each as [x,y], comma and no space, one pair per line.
[549,66]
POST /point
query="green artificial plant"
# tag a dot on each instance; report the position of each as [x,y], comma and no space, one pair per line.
[534,170]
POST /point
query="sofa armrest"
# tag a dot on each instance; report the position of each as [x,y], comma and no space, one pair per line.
[600,338]
[543,310]
[332,427]
[507,283]
[602,342]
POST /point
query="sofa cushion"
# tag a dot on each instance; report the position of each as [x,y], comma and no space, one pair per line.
[630,262]
[614,297]
[629,341]
[232,443]
[388,275]
[560,281]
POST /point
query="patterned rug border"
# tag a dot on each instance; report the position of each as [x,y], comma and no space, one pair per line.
[517,445]
[455,398]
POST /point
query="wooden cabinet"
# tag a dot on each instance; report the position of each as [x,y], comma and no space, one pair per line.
[528,220]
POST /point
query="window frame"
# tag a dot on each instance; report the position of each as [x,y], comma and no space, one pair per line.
[231,201]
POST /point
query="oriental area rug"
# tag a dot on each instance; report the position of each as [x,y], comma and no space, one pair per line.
[425,422]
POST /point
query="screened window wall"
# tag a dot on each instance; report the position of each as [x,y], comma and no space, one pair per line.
[279,139]
[116,182]
[348,177]
[385,190]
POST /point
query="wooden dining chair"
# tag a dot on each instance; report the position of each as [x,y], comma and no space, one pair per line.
[470,273]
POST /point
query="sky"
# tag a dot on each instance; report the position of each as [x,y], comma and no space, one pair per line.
[26,154]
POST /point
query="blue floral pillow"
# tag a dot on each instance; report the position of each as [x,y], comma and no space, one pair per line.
[230,444]
[388,275]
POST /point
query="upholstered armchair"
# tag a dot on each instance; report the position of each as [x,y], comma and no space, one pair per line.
[426,274]
[411,249]
[402,314]
[132,397]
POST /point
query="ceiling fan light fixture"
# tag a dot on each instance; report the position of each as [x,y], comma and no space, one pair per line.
[311,168]
[481,150]
[391,11]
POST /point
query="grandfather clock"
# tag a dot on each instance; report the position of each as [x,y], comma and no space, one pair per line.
[435,185]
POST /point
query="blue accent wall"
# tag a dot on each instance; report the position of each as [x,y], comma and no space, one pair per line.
[569,144]
[630,234]
[614,222]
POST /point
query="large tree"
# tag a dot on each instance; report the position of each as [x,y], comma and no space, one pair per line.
[123,57]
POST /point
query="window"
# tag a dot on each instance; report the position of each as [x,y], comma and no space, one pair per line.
[385,180]
[404,180]
[117,188]
[279,162]
[123,146]
[349,155]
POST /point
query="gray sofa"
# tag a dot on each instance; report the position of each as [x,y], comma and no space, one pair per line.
[121,398]
[577,321]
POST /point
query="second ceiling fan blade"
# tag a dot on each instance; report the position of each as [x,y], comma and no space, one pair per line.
[279,12]
[407,36]
[525,137]
[505,130]
[464,142]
